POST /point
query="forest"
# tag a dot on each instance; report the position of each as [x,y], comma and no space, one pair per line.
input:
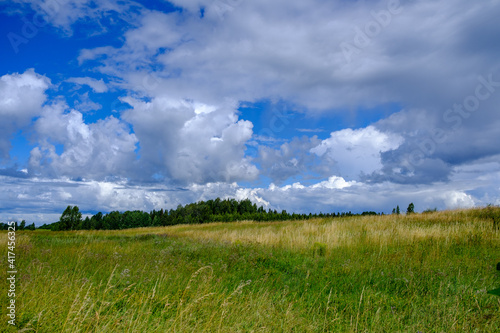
[218,210]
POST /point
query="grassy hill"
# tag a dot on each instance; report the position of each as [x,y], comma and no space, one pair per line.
[416,273]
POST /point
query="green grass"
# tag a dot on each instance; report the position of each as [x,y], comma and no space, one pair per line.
[341,275]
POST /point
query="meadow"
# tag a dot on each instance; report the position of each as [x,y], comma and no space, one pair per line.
[417,273]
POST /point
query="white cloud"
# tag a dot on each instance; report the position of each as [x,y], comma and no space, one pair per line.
[334,182]
[290,50]
[186,145]
[186,67]
[357,151]
[337,195]
[64,13]
[42,199]
[97,86]
[93,151]
[458,199]
[21,99]
[157,30]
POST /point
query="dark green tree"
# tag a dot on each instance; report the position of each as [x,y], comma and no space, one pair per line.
[113,220]
[156,221]
[410,209]
[70,218]
[86,224]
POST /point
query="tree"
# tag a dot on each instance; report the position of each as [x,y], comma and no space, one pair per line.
[156,221]
[245,206]
[70,218]
[397,210]
[410,209]
[86,224]
[22,226]
[113,220]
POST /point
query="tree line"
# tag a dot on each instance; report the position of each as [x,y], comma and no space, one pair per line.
[18,226]
[218,210]
[410,210]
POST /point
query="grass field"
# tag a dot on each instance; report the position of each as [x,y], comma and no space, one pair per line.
[417,273]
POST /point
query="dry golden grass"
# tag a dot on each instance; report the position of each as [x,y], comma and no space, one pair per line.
[445,227]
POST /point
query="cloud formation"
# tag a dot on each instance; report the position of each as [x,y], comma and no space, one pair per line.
[105,149]
[357,152]
[292,159]
[39,195]
[191,143]
[97,86]
[21,99]
[424,76]
[293,51]
[62,14]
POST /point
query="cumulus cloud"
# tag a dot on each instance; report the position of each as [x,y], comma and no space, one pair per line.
[458,200]
[357,152]
[21,99]
[189,142]
[334,182]
[93,151]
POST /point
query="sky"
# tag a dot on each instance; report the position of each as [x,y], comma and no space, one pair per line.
[308,106]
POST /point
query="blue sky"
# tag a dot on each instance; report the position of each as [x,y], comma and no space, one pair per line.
[318,106]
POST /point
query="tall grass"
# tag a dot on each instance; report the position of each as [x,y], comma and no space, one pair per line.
[447,227]
[426,273]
